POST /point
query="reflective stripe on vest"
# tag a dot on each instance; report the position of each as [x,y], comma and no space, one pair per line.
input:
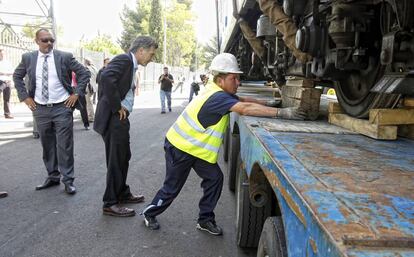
[188,135]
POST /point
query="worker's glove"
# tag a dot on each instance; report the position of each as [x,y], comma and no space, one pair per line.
[291,113]
[272,103]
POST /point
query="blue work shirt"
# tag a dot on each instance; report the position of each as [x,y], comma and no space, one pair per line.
[218,105]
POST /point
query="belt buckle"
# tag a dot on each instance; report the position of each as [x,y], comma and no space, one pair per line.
[49,105]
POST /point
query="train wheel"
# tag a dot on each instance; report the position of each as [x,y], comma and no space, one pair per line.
[355,97]
[272,240]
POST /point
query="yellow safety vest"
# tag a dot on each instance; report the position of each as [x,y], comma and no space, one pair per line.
[188,135]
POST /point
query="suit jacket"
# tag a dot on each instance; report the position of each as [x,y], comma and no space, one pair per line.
[115,82]
[65,63]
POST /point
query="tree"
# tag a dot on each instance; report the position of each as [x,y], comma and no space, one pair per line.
[181,40]
[102,44]
[155,27]
[208,52]
[30,28]
[146,19]
[134,22]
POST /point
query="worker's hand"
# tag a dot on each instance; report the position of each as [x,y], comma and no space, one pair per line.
[30,103]
[122,113]
[71,101]
[291,113]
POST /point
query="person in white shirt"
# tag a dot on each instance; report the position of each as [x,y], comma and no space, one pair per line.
[51,98]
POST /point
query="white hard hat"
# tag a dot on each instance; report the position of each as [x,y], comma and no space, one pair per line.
[225,63]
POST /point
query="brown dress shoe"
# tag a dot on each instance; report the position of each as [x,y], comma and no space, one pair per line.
[133,199]
[8,116]
[118,211]
[3,194]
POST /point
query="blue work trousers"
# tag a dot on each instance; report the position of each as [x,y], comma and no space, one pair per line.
[179,165]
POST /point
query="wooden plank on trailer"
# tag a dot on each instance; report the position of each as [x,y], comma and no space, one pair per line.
[408,102]
[363,127]
[334,107]
[391,116]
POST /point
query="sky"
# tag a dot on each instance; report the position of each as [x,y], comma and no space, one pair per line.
[84,19]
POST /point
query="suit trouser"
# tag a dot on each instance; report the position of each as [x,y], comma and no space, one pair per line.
[6,100]
[83,111]
[179,165]
[118,154]
[55,126]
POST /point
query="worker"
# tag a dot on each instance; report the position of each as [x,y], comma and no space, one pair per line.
[194,140]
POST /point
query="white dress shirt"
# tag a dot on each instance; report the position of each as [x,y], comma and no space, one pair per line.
[57,92]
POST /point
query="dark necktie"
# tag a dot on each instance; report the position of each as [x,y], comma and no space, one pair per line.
[45,75]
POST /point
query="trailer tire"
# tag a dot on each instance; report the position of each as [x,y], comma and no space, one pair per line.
[249,219]
[272,241]
[234,150]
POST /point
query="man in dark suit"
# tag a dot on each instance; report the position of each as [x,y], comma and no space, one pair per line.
[51,98]
[115,103]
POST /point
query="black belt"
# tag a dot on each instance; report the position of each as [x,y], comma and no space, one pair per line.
[51,104]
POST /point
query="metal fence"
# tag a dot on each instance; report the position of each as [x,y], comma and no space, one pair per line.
[148,76]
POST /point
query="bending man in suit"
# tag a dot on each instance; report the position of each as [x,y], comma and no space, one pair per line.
[51,98]
[115,103]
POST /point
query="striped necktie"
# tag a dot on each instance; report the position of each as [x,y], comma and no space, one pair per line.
[45,75]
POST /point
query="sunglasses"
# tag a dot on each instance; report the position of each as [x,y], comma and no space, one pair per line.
[45,40]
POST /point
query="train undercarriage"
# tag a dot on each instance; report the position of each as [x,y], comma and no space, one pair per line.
[362,48]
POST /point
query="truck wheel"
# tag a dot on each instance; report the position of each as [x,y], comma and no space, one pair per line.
[226,144]
[272,241]
[249,219]
[234,150]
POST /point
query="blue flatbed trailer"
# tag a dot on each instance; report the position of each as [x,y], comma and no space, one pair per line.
[333,193]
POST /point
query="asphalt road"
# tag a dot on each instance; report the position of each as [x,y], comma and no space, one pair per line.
[50,223]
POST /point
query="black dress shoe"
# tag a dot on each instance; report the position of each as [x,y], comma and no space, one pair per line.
[3,194]
[48,183]
[70,188]
[36,135]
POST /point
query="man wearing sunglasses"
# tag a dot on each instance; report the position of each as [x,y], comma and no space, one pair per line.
[51,98]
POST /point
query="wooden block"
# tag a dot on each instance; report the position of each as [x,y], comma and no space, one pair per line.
[290,102]
[363,127]
[292,91]
[334,107]
[408,102]
[406,131]
[391,116]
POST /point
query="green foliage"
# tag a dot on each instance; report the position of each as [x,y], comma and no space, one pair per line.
[147,19]
[30,28]
[181,39]
[103,44]
[134,22]
[208,52]
[155,27]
